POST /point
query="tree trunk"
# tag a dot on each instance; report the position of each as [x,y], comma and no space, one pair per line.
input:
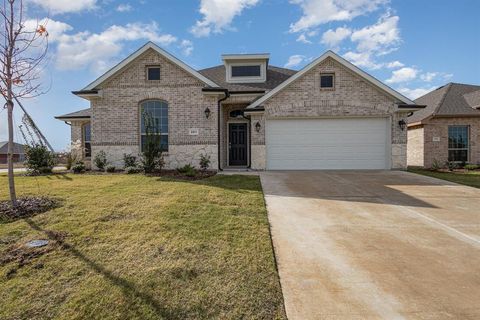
[11,181]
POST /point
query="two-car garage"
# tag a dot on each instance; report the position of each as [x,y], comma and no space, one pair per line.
[328,143]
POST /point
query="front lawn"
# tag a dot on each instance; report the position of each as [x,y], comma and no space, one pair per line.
[469,178]
[135,247]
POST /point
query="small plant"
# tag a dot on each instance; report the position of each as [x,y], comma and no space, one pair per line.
[129,160]
[110,169]
[188,170]
[78,167]
[204,162]
[471,166]
[152,157]
[100,160]
[39,160]
[451,165]
[435,165]
[132,170]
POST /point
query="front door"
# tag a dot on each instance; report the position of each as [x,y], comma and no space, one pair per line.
[237,133]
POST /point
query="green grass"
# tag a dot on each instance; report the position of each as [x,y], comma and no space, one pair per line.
[469,178]
[142,248]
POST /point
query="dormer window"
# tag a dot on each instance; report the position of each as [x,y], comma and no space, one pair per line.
[246,71]
[153,73]
[246,68]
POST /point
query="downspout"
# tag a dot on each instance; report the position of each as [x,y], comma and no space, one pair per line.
[219,107]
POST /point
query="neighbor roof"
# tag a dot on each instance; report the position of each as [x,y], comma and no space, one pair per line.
[275,76]
[346,64]
[17,148]
[133,56]
[81,114]
[453,99]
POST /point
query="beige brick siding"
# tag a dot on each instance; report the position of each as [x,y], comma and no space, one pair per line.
[352,96]
[438,128]
[415,152]
[115,116]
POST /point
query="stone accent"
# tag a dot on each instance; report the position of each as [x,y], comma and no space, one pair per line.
[438,150]
[76,131]
[415,153]
[116,116]
[180,155]
[259,157]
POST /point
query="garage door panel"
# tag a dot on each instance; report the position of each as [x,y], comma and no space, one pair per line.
[327,144]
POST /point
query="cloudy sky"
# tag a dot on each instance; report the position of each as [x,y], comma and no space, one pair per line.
[412,45]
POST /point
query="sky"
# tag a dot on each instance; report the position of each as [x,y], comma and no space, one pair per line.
[414,46]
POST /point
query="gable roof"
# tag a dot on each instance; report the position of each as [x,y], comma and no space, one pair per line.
[275,76]
[81,114]
[136,54]
[453,99]
[17,148]
[343,62]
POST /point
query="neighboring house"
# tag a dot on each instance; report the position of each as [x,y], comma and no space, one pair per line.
[246,113]
[18,152]
[448,129]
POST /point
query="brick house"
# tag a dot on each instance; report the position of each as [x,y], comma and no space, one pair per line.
[448,129]
[245,113]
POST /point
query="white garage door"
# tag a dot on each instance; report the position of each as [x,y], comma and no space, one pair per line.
[355,143]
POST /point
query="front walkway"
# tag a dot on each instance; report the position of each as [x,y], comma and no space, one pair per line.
[375,245]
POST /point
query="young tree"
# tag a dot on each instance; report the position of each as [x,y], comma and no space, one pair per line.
[23,48]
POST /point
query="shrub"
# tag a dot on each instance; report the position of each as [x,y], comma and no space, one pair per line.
[451,165]
[78,167]
[71,158]
[472,166]
[39,159]
[204,162]
[129,160]
[152,158]
[110,168]
[188,170]
[435,165]
[100,160]
[132,170]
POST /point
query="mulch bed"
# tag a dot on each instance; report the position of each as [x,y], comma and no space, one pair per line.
[26,207]
[177,175]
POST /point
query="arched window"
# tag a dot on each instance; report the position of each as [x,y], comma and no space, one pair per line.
[156,113]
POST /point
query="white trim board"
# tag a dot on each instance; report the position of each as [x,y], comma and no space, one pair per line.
[136,54]
[343,62]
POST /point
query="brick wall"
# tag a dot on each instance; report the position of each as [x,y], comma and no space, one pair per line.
[438,150]
[352,96]
[115,116]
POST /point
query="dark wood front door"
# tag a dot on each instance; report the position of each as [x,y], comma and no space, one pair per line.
[237,133]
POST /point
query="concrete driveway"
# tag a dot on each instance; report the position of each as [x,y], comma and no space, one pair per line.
[375,245]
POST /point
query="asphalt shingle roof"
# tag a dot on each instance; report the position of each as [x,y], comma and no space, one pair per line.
[453,99]
[85,113]
[17,148]
[275,76]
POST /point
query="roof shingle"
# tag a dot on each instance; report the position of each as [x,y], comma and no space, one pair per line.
[85,113]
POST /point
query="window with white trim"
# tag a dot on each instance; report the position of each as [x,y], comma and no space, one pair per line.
[87,140]
[458,143]
[157,112]
[246,71]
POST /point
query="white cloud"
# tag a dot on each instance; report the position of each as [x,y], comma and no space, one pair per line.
[295,61]
[96,50]
[428,76]
[380,37]
[317,12]
[218,15]
[187,47]
[415,93]
[333,38]
[124,7]
[65,6]
[394,64]
[303,39]
[403,75]
[362,59]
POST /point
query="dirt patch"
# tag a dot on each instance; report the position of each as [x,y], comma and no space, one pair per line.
[23,255]
[26,207]
[181,176]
